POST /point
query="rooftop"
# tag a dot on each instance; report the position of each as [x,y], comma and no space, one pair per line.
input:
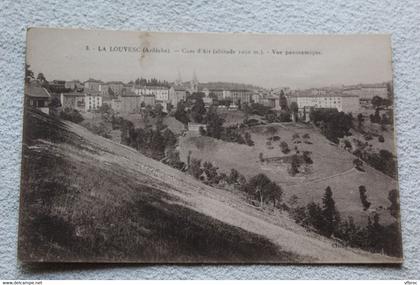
[308,93]
[35,89]
[74,94]
[93,80]
[115,82]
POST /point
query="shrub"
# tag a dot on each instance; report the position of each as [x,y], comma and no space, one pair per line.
[363,197]
[284,147]
[368,137]
[381,139]
[261,157]
[307,157]
[347,144]
[333,124]
[71,115]
[195,168]
[358,164]
[102,129]
[294,165]
[248,139]
[394,208]
[262,188]
[251,122]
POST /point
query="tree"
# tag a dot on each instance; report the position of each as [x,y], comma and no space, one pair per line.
[307,157]
[315,216]
[363,197]
[261,157]
[158,110]
[283,101]
[198,110]
[173,159]
[390,92]
[169,107]
[259,109]
[299,215]
[233,176]
[111,92]
[202,131]
[270,117]
[293,200]
[360,120]
[329,213]
[394,208]
[146,116]
[284,147]
[189,159]
[376,118]
[100,129]
[211,172]
[248,140]
[195,168]
[222,177]
[294,108]
[376,101]
[157,145]
[180,113]
[258,186]
[349,232]
[41,78]
[347,144]
[333,124]
[294,165]
[106,112]
[29,74]
[241,180]
[246,110]
[169,138]
[71,115]
[273,192]
[383,161]
[375,233]
[127,128]
[358,164]
[284,116]
[385,120]
[54,106]
[214,123]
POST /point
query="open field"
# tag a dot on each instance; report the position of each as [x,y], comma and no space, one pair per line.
[332,166]
[103,201]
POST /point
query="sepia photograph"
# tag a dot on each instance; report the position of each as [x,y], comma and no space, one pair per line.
[153,147]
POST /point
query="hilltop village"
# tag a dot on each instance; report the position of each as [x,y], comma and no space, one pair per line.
[131,97]
[294,154]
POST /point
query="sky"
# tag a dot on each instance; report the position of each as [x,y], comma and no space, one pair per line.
[265,60]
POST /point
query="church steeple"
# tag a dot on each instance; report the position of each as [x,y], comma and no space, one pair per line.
[194,83]
[178,81]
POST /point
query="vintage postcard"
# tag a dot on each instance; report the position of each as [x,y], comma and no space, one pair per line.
[208,148]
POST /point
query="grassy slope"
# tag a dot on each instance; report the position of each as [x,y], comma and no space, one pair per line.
[91,199]
[332,167]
